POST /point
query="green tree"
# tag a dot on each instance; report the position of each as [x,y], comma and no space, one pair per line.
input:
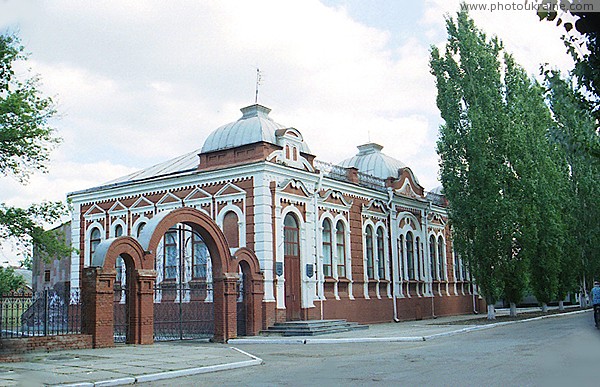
[584,47]
[572,117]
[9,280]
[26,139]
[472,148]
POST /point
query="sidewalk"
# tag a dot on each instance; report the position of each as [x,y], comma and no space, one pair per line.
[128,364]
[124,364]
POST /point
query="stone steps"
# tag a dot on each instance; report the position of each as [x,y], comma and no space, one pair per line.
[312,327]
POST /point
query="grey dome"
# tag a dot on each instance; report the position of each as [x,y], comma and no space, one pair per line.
[254,126]
[371,161]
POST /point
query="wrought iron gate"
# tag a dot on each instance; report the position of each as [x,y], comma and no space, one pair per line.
[241,307]
[121,312]
[183,294]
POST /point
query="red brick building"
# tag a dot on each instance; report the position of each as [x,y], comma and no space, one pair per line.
[360,240]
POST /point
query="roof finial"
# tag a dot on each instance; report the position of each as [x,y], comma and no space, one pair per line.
[258,79]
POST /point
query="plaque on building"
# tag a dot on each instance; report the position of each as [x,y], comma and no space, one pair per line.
[310,270]
[279,268]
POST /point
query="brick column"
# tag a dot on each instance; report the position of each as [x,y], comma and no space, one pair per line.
[225,304]
[255,323]
[97,311]
[140,302]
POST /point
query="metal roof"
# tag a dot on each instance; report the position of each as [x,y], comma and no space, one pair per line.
[254,126]
[371,161]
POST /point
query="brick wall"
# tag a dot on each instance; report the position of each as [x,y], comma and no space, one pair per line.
[11,348]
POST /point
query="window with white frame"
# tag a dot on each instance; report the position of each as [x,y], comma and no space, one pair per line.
[327,248]
[441,256]
[410,258]
[380,254]
[432,257]
[231,229]
[340,243]
[95,239]
[401,257]
[170,255]
[369,252]
[418,256]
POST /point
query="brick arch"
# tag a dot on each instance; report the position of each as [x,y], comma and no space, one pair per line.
[199,222]
[98,294]
[254,281]
[108,250]
[224,269]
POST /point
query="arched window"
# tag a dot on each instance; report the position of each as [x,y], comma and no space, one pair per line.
[95,239]
[140,229]
[231,229]
[340,243]
[380,254]
[432,257]
[410,259]
[200,257]
[441,256]
[369,248]
[170,255]
[295,152]
[401,256]
[287,151]
[118,230]
[291,236]
[327,250]
[418,254]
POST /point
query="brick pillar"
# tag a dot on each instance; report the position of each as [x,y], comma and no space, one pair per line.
[142,322]
[254,311]
[225,304]
[97,311]
[352,175]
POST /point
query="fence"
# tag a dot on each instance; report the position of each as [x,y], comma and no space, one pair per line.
[48,313]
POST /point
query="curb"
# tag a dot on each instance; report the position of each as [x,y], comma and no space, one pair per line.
[400,339]
[172,374]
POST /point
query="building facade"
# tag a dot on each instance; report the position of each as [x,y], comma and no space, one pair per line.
[360,240]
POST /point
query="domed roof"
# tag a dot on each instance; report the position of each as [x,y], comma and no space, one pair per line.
[255,125]
[371,161]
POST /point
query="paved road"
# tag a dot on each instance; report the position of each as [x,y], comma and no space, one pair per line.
[561,351]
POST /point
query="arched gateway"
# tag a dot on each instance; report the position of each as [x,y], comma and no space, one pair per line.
[139,257]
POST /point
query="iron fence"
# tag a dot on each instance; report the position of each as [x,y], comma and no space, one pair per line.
[47,313]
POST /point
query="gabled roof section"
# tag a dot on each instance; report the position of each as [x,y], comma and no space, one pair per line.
[94,210]
[198,194]
[142,202]
[230,189]
[168,199]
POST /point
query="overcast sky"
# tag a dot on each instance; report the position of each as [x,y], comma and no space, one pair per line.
[140,82]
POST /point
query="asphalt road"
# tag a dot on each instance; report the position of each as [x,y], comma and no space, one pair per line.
[562,351]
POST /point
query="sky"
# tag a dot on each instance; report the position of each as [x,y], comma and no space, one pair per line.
[139,82]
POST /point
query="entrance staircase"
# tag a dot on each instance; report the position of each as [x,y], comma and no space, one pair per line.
[312,327]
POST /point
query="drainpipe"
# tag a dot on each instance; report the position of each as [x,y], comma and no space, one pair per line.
[390,222]
[315,200]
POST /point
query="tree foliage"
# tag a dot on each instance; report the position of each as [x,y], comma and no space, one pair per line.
[26,139]
[471,145]
[583,44]
[506,183]
[9,280]
[572,117]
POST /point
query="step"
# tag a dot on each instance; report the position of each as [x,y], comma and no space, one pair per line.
[312,327]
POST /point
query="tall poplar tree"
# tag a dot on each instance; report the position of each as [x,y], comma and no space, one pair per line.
[472,147]
[573,118]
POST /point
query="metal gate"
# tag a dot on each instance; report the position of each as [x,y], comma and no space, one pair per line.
[183,294]
[241,307]
[121,312]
